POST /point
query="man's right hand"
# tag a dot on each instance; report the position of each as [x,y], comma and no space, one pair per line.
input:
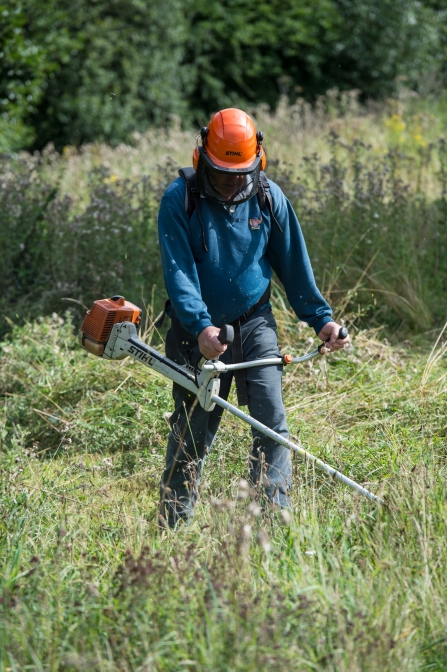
[209,344]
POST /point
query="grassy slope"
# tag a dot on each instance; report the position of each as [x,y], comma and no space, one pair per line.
[87,583]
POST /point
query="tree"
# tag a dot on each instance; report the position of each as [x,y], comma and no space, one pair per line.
[25,65]
[94,69]
[256,50]
[74,72]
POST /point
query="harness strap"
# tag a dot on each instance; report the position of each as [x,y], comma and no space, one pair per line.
[265,197]
[161,318]
[238,357]
[192,198]
[195,193]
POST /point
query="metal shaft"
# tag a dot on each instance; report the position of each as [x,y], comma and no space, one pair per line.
[292,446]
[269,361]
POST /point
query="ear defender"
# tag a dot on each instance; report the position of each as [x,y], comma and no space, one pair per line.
[195,155]
[195,158]
[203,134]
[260,149]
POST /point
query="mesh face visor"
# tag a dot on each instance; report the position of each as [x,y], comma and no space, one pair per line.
[228,186]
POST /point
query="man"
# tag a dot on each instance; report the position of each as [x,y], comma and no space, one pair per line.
[223,229]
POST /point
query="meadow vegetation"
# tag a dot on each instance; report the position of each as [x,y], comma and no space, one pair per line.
[87,580]
[369,188]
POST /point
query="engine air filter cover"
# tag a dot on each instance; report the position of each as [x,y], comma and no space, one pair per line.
[105,313]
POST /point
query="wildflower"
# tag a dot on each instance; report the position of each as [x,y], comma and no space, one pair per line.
[244,489]
[420,140]
[254,509]
[395,123]
[244,540]
[264,541]
[285,517]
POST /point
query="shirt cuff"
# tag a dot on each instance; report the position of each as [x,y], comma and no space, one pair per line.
[319,324]
[200,326]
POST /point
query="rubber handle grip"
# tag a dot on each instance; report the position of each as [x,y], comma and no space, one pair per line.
[343,333]
[226,334]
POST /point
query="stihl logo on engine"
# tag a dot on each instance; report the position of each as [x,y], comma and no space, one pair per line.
[234,153]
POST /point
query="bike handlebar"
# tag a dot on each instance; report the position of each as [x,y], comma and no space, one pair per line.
[227,333]
[342,334]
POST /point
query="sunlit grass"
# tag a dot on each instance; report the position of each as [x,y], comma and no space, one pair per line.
[291,132]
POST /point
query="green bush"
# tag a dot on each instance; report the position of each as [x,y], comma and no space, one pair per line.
[256,51]
[100,70]
[76,72]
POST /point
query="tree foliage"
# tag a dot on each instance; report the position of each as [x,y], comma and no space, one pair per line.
[97,69]
[101,69]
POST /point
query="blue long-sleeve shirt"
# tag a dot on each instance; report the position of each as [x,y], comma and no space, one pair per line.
[216,287]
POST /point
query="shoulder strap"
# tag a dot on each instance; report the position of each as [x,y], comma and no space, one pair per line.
[192,198]
[189,178]
[265,197]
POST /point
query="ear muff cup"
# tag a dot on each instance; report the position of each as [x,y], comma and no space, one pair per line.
[195,158]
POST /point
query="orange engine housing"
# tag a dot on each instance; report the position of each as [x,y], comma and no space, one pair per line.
[105,313]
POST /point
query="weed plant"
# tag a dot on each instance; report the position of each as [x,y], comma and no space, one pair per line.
[80,226]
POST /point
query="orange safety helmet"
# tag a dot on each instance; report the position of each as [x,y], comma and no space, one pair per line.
[231,156]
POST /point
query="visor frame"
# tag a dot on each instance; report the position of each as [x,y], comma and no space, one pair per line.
[227,169]
[202,179]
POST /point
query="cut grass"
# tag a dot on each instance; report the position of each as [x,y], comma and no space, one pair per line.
[89,583]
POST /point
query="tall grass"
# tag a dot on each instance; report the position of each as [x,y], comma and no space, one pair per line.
[83,225]
[88,583]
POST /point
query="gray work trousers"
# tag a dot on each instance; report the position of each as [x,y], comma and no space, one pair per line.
[193,429]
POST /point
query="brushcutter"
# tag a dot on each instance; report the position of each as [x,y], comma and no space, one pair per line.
[110,331]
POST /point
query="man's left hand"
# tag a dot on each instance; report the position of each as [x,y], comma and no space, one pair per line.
[330,331]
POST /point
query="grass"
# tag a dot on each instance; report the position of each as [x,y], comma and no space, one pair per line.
[292,133]
[89,584]
[86,581]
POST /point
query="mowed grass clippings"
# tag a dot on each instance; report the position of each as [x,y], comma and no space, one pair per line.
[88,583]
